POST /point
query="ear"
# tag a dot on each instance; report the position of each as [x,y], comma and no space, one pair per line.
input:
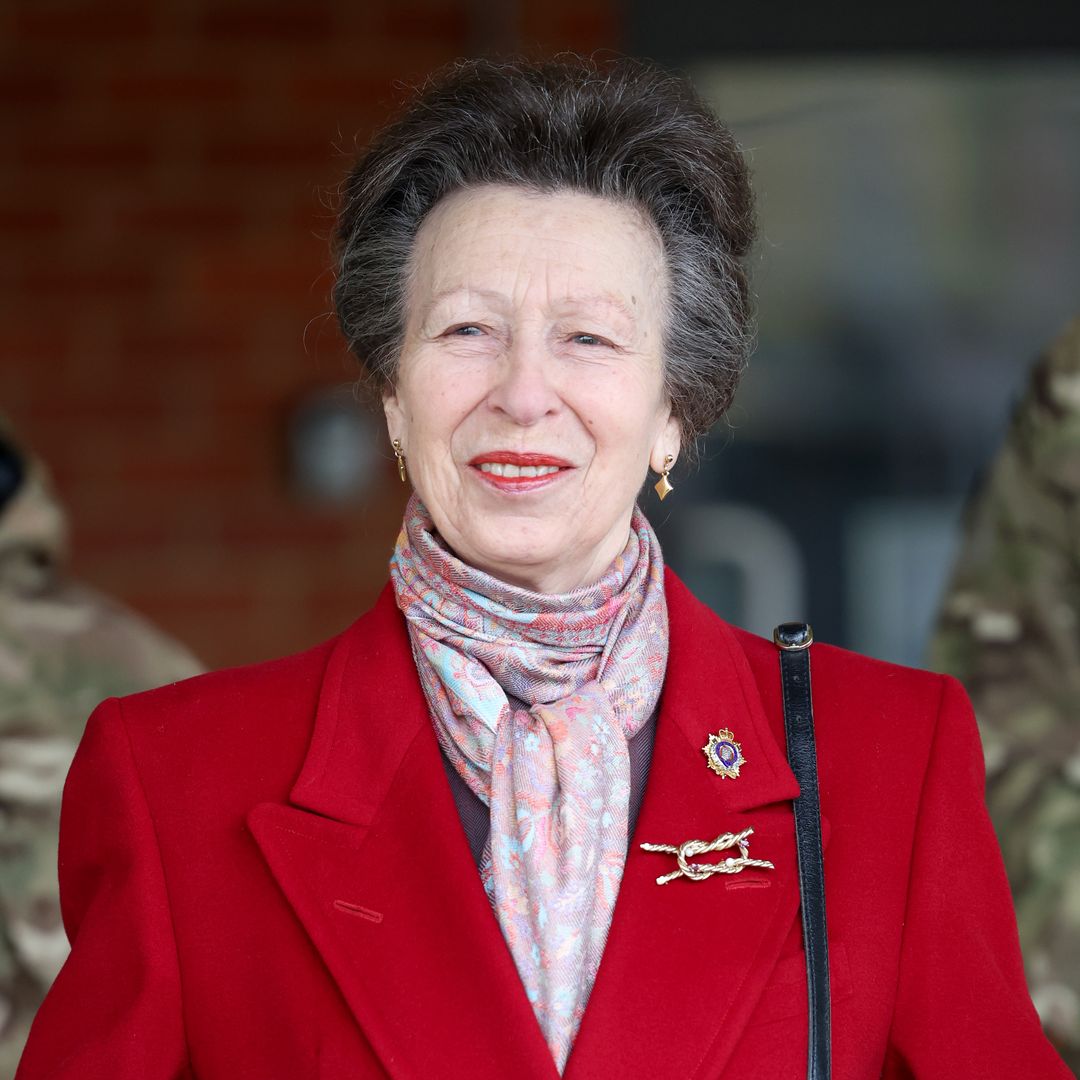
[396,424]
[668,442]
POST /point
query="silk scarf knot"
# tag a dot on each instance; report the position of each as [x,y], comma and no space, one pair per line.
[533,698]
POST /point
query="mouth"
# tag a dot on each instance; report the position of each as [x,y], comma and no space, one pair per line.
[510,471]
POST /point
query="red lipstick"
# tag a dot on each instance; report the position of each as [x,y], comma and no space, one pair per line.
[503,470]
[509,457]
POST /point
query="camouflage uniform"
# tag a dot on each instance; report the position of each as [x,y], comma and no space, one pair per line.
[1010,630]
[62,649]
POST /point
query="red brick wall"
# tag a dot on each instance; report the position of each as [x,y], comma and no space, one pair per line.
[164,289]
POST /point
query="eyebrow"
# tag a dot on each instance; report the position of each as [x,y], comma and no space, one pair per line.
[446,294]
[609,300]
[604,300]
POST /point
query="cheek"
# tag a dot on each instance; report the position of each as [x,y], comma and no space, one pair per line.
[436,405]
[623,419]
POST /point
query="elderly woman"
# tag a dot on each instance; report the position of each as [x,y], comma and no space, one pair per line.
[416,850]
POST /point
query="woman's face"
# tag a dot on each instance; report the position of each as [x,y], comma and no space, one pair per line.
[530,398]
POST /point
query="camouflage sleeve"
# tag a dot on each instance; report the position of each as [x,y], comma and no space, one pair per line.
[61,651]
[122,978]
[33,762]
[1010,630]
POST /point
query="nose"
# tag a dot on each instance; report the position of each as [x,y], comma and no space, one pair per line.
[524,390]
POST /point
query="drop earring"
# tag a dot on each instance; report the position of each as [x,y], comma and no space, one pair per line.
[664,486]
[400,455]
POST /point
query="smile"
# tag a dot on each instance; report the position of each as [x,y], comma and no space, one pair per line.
[497,468]
[512,471]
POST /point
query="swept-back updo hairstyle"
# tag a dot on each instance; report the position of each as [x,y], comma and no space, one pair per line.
[622,130]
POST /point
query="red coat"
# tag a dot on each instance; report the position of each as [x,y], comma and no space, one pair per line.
[264,876]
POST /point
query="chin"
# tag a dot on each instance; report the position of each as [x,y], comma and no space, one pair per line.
[523,565]
[523,562]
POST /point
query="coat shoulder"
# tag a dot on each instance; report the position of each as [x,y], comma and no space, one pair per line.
[855,694]
[241,730]
[262,686]
[836,673]
[831,662]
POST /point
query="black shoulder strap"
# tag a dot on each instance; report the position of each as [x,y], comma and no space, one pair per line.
[794,640]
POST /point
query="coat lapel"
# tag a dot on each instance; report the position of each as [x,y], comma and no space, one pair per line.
[372,857]
[685,962]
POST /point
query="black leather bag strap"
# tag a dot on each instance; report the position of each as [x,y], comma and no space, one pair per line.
[794,640]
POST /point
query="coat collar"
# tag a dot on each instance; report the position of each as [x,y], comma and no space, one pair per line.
[373,859]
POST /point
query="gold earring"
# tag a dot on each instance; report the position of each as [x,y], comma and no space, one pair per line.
[664,486]
[400,455]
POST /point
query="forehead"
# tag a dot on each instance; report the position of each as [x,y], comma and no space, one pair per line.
[510,240]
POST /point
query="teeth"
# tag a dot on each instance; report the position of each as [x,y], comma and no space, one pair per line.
[497,468]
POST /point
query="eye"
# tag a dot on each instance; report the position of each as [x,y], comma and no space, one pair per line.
[588,339]
[469,330]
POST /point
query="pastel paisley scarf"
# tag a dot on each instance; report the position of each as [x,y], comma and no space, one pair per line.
[588,667]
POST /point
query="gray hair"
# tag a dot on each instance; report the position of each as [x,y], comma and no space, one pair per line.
[622,130]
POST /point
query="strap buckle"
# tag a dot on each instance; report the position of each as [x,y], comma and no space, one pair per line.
[793,636]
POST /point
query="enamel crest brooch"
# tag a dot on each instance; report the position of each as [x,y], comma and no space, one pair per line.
[724,754]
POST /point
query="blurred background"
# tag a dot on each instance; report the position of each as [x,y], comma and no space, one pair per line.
[167,192]
[166,196]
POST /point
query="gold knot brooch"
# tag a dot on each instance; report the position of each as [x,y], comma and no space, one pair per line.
[700,871]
